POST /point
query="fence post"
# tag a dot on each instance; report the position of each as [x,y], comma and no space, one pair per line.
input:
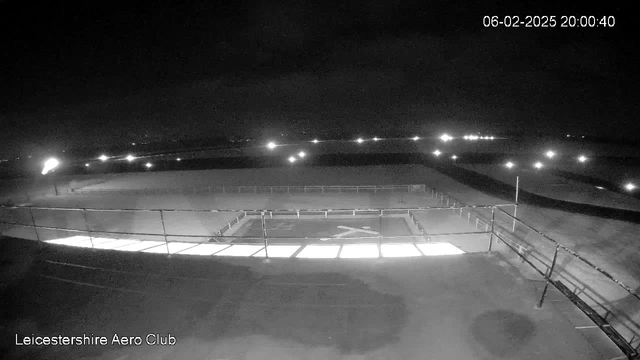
[86,226]
[35,227]
[493,215]
[548,277]
[164,232]
[264,235]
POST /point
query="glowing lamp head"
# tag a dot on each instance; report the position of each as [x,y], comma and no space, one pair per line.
[315,141]
[376,138]
[148,165]
[103,157]
[415,138]
[271,145]
[178,159]
[550,154]
[445,138]
[292,159]
[302,154]
[437,153]
[454,157]
[509,165]
[130,158]
[86,165]
[582,158]
[49,165]
[538,165]
[630,187]
[359,141]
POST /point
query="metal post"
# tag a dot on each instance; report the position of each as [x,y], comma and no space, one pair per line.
[86,225]
[35,227]
[493,215]
[164,232]
[264,235]
[548,277]
[469,218]
[380,234]
[515,206]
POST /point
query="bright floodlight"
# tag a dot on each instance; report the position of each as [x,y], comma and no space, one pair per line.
[130,158]
[50,165]
[148,165]
[178,159]
[87,164]
[538,165]
[437,153]
[445,138]
[315,141]
[302,154]
[359,141]
[416,138]
[509,165]
[454,157]
[582,158]
[630,187]
[292,159]
[550,154]
[271,145]
[103,157]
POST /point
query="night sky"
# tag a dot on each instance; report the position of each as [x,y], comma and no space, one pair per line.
[92,73]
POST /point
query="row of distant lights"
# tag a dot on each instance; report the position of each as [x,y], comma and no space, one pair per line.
[476,137]
[292,159]
[129,158]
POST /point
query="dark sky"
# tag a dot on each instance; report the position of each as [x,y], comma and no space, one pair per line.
[94,72]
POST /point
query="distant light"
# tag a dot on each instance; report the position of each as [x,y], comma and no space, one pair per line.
[272,145]
[49,165]
[292,159]
[568,135]
[315,141]
[416,138]
[630,187]
[583,136]
[103,157]
[178,159]
[148,165]
[509,164]
[437,153]
[491,138]
[454,157]
[466,137]
[445,137]
[376,138]
[599,188]
[538,165]
[134,144]
[550,154]
[582,158]
[359,141]
[130,158]
[86,165]
[302,154]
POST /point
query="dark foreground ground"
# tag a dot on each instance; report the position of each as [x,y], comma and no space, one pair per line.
[463,307]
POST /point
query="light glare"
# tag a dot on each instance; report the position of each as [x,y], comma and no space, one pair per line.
[437,153]
[292,159]
[130,158]
[538,165]
[582,158]
[630,187]
[302,154]
[103,157]
[550,154]
[509,164]
[271,145]
[49,165]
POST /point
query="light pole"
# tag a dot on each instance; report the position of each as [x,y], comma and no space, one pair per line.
[515,208]
[49,166]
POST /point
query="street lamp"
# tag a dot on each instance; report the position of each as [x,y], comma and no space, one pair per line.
[445,138]
[509,165]
[103,158]
[271,145]
[550,154]
[538,165]
[130,158]
[302,154]
[359,141]
[292,159]
[315,141]
[415,138]
[49,166]
[454,157]
[148,165]
[437,153]
[375,138]
[630,187]
[582,158]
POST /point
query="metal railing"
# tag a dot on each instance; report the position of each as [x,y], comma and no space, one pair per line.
[224,189]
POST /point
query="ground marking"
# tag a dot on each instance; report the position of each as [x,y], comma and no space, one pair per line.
[350,230]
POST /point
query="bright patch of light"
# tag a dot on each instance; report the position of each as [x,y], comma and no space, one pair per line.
[148,165]
[376,138]
[358,251]
[538,165]
[78,240]
[178,159]
[292,159]
[630,187]
[599,188]
[114,244]
[315,141]
[399,250]
[446,137]
[466,137]
[240,250]
[130,158]
[204,249]
[415,138]
[319,252]
[509,164]
[454,157]
[174,247]
[134,144]
[49,165]
[141,245]
[86,165]
[278,251]
[103,157]
[359,141]
[491,138]
[302,154]
[271,145]
[436,249]
[550,154]
[437,153]
[582,158]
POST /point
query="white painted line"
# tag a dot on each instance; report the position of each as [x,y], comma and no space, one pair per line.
[435,249]
[141,245]
[240,250]
[115,244]
[279,251]
[319,252]
[358,251]
[204,249]
[399,250]
[174,247]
